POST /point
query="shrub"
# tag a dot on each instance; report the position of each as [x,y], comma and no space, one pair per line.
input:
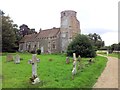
[38,51]
[82,46]
[33,52]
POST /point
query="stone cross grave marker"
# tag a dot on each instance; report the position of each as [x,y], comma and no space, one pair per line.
[34,61]
[17,59]
[74,71]
[9,57]
[67,60]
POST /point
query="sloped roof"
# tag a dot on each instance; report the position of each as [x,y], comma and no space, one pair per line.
[43,33]
[48,32]
[27,38]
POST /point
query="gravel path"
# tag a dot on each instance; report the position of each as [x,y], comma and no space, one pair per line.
[109,77]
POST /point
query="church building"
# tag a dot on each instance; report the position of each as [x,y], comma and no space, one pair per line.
[54,40]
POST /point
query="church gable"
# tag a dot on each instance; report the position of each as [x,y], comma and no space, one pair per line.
[48,33]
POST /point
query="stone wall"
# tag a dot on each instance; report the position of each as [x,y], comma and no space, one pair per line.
[70,26]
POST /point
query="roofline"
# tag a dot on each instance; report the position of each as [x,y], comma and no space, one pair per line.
[50,29]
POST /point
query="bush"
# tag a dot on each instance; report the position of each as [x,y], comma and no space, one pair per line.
[82,46]
[38,51]
[33,52]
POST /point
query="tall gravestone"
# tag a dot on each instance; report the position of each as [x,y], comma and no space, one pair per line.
[17,59]
[74,71]
[34,62]
[80,62]
[74,60]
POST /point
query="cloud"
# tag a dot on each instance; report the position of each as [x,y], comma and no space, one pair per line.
[110,38]
[99,31]
[95,16]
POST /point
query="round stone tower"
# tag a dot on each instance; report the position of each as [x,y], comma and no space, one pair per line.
[69,28]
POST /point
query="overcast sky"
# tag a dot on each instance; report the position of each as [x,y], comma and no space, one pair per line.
[95,16]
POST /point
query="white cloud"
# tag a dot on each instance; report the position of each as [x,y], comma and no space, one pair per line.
[99,15]
[110,37]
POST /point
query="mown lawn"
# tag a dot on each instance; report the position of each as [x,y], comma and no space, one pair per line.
[53,74]
[117,55]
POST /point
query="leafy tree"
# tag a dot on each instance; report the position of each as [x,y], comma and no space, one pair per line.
[25,30]
[119,46]
[96,40]
[114,47]
[8,34]
[82,46]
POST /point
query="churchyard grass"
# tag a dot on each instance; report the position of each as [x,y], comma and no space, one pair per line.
[53,74]
[117,55]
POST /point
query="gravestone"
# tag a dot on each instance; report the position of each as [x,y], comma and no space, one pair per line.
[80,63]
[17,59]
[79,58]
[74,70]
[74,60]
[74,57]
[9,57]
[67,60]
[34,61]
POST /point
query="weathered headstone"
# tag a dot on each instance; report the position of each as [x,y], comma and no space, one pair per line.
[67,60]
[9,57]
[17,59]
[74,56]
[80,63]
[34,61]
[79,58]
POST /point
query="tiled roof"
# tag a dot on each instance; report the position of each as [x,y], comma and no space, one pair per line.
[48,33]
[27,38]
[43,33]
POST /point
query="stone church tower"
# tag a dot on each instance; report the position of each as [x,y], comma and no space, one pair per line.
[70,26]
[54,40]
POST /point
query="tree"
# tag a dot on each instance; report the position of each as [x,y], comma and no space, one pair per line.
[114,47]
[8,34]
[96,40]
[25,30]
[119,46]
[82,46]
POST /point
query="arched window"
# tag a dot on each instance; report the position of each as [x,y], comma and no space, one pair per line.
[54,45]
